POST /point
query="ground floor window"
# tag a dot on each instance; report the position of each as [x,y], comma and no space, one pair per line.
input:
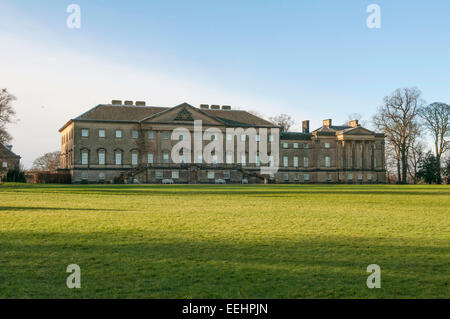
[350,176]
[210,175]
[360,176]
[226,175]
[84,176]
[159,175]
[175,175]
[369,176]
[286,177]
[306,177]
[118,159]
[101,176]
[150,159]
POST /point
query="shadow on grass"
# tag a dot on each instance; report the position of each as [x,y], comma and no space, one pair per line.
[158,265]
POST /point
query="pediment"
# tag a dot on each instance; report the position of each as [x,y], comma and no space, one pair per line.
[183,113]
[358,131]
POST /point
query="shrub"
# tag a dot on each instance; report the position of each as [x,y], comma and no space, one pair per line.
[15,176]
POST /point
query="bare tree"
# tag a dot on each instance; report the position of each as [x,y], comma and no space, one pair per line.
[436,117]
[7,114]
[47,162]
[283,120]
[416,154]
[356,116]
[397,119]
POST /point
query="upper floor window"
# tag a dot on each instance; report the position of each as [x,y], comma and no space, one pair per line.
[285,145]
[327,145]
[134,158]
[5,164]
[101,157]
[257,138]
[295,145]
[134,134]
[118,158]
[229,137]
[166,158]
[101,133]
[327,161]
[285,161]
[305,161]
[305,145]
[150,135]
[229,159]
[243,160]
[243,137]
[84,157]
[295,161]
[166,135]
[85,132]
[118,133]
[374,162]
[270,138]
[150,158]
[257,160]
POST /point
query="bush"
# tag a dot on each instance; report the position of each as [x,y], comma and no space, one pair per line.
[15,176]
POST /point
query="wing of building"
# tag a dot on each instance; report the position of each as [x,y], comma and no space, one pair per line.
[8,159]
[127,142]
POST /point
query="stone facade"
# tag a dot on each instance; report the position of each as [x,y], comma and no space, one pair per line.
[8,159]
[133,143]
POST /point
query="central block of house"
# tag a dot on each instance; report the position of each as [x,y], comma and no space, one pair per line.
[131,142]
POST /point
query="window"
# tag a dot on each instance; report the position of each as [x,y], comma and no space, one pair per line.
[84,133]
[360,176]
[134,158]
[229,137]
[327,161]
[374,162]
[166,158]
[257,161]
[200,158]
[118,134]
[101,157]
[305,146]
[134,134]
[285,161]
[243,160]
[229,159]
[84,176]
[159,175]
[327,145]
[101,133]
[350,177]
[257,138]
[118,158]
[150,135]
[84,158]
[296,177]
[101,176]
[286,177]
[243,137]
[166,135]
[369,176]
[285,145]
[5,164]
[211,175]
[295,145]
[270,138]
[150,158]
[175,175]
[305,161]
[295,161]
[306,177]
[328,177]
[226,175]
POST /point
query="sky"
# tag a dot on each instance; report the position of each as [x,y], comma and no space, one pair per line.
[310,59]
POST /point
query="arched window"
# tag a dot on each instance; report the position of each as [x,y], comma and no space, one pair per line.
[101,157]
[118,157]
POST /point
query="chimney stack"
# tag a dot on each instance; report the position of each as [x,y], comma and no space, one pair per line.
[204,106]
[116,102]
[327,123]
[129,103]
[140,103]
[215,107]
[226,107]
[353,123]
[305,126]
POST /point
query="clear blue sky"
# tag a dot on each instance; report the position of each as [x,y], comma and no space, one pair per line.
[309,59]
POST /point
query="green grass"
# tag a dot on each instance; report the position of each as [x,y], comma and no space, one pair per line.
[283,241]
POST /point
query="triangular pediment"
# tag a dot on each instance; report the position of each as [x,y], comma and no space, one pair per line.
[358,131]
[183,113]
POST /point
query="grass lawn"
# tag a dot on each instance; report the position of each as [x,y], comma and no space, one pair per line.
[223,241]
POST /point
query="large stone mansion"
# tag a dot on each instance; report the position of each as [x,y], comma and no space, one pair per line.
[132,142]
